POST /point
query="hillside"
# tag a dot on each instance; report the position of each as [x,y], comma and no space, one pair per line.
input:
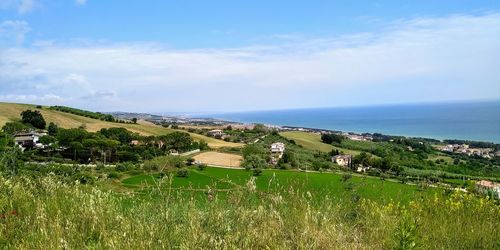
[11,111]
[313,141]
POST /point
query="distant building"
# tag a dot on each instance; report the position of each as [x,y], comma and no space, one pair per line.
[277,150]
[484,186]
[342,160]
[278,147]
[135,142]
[28,140]
[216,133]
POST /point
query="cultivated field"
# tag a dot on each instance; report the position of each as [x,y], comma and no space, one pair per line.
[320,185]
[219,159]
[11,112]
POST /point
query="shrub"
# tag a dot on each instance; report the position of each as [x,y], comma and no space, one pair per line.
[257,171]
[114,175]
[346,177]
[122,167]
[182,172]
[202,166]
[151,166]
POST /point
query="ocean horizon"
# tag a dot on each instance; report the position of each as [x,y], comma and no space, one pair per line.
[477,121]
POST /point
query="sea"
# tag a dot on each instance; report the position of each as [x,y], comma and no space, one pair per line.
[477,121]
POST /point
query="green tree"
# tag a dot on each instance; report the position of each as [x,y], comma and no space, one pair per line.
[53,129]
[331,138]
[34,118]
[12,128]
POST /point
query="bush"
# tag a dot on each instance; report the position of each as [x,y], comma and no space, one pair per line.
[114,175]
[151,166]
[190,161]
[184,173]
[202,166]
[122,167]
[257,171]
[346,177]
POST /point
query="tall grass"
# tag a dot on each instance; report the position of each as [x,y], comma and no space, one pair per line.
[44,213]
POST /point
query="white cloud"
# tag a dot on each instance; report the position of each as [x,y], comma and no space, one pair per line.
[50,98]
[424,59]
[81,2]
[22,6]
[26,6]
[13,31]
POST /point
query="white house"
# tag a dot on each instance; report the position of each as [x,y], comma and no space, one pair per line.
[28,140]
[342,160]
[277,150]
[278,147]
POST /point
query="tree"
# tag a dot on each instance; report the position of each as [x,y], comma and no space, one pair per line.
[46,140]
[12,128]
[254,161]
[34,118]
[331,138]
[134,120]
[363,159]
[53,129]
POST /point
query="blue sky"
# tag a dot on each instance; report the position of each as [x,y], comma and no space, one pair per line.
[206,56]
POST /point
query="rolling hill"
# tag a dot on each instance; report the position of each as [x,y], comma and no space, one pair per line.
[12,111]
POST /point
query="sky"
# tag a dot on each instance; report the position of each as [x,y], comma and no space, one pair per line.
[227,56]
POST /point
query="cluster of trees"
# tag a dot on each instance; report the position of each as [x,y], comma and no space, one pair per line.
[90,114]
[115,145]
[332,138]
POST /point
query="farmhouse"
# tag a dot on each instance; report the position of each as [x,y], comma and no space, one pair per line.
[216,133]
[486,187]
[28,140]
[277,150]
[278,147]
[342,160]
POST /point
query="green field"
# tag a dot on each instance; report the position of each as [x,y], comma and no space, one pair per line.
[313,141]
[318,184]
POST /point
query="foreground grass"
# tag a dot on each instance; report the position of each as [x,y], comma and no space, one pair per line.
[44,213]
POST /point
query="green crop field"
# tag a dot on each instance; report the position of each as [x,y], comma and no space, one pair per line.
[318,184]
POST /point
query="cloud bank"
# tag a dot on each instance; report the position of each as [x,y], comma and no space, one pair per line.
[423,59]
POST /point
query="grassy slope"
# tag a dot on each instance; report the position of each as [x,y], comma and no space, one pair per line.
[313,141]
[11,111]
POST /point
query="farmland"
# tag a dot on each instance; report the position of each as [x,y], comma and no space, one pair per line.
[219,159]
[319,184]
